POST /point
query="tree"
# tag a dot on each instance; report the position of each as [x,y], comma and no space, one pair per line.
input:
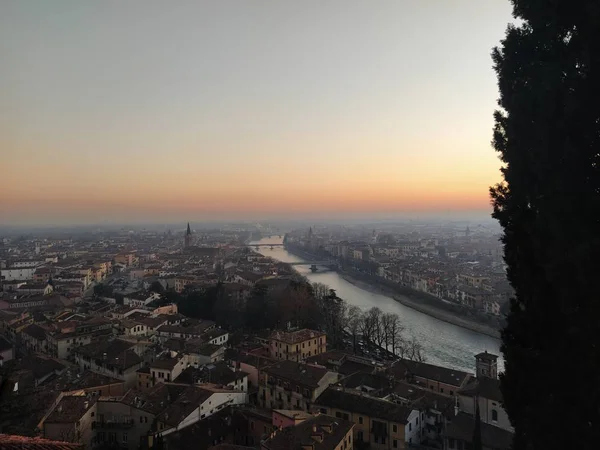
[477,444]
[354,316]
[410,349]
[548,135]
[156,287]
[103,290]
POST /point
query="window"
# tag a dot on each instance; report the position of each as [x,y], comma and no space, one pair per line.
[395,428]
[417,421]
[451,392]
[141,419]
[338,414]
[442,390]
[395,443]
[264,429]
[298,389]
[125,437]
[360,436]
[360,420]
[410,427]
[93,414]
[451,443]
[494,415]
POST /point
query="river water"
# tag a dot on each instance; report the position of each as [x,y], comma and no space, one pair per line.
[444,344]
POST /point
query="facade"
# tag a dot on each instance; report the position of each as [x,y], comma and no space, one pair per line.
[167,369]
[297,345]
[17,273]
[116,359]
[71,420]
[379,424]
[320,432]
[290,385]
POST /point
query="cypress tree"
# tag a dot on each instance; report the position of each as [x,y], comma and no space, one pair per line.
[477,444]
[548,135]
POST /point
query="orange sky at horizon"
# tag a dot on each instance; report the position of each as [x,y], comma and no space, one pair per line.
[230,109]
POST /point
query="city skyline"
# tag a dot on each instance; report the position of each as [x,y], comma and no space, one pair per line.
[154,112]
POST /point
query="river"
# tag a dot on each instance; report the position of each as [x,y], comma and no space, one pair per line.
[443,343]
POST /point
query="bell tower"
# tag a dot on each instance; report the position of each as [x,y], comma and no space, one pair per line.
[486,365]
[188,237]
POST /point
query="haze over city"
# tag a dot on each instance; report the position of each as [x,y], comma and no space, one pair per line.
[124,111]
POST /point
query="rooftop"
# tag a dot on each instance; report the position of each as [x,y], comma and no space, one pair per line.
[296,337]
[13,442]
[70,409]
[320,433]
[463,425]
[357,402]
[302,374]
[402,368]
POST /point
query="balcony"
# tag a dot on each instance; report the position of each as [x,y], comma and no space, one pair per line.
[117,424]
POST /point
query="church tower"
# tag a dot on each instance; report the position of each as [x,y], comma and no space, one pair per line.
[188,237]
[486,365]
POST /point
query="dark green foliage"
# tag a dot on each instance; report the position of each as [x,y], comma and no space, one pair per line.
[156,287]
[548,136]
[103,290]
[119,299]
[476,444]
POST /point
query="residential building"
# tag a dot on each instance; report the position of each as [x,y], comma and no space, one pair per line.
[439,379]
[292,385]
[317,433]
[116,359]
[71,420]
[166,369]
[380,424]
[459,435]
[297,345]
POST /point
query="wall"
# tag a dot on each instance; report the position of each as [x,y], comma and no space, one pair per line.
[362,431]
[413,427]
[214,403]
[141,422]
[17,273]
[280,420]
[486,406]
[251,371]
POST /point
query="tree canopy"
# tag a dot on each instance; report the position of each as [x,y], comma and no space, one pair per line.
[548,135]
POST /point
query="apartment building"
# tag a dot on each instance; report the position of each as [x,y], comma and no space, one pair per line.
[297,345]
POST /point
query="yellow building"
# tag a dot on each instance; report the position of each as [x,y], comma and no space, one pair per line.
[380,424]
[297,345]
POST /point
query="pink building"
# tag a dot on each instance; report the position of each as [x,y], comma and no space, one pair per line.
[283,418]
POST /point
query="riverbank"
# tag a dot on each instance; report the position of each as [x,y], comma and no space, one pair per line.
[418,303]
[431,311]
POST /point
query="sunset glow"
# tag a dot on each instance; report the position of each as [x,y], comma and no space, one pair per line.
[248,109]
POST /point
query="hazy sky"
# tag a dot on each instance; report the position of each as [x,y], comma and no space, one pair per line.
[122,110]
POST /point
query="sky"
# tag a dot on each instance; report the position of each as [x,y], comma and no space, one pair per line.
[161,111]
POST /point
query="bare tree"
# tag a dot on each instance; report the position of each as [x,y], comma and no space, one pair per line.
[411,350]
[320,290]
[374,316]
[395,333]
[386,324]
